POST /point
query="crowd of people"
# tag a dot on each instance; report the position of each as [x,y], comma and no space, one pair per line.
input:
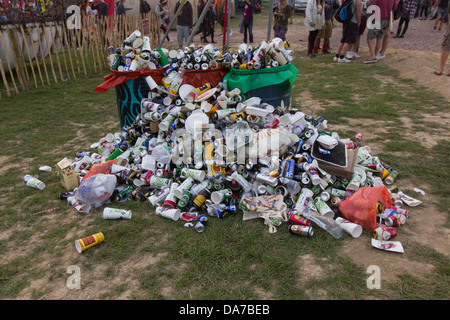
[320,20]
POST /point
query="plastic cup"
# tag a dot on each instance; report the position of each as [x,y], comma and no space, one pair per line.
[172,214]
[113,213]
[222,101]
[351,228]
[134,65]
[220,195]
[151,83]
[197,175]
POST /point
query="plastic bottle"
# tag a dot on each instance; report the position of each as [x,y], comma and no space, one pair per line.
[323,222]
[292,186]
[34,182]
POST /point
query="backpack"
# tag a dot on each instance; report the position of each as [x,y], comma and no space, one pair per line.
[344,13]
[399,11]
[145,7]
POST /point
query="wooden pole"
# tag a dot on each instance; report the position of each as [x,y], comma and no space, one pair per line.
[5,82]
[8,62]
[35,57]
[56,51]
[20,55]
[98,41]
[49,53]
[199,22]
[63,26]
[172,22]
[28,53]
[41,49]
[17,52]
[62,48]
[225,27]
[81,51]
[269,29]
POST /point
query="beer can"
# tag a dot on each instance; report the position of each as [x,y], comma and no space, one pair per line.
[335,201]
[301,230]
[384,233]
[296,219]
[290,166]
[391,177]
[351,145]
[358,137]
[379,207]
[127,63]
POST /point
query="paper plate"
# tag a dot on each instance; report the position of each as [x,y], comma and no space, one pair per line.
[184,90]
[196,116]
[205,95]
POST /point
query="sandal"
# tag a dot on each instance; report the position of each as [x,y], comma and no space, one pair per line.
[438,73]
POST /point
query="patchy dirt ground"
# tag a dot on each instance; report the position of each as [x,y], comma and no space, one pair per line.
[415,56]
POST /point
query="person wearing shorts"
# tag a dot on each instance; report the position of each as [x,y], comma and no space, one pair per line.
[327,30]
[350,32]
[375,36]
[442,13]
[445,50]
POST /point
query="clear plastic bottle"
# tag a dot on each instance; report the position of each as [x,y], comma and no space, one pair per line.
[34,182]
[328,224]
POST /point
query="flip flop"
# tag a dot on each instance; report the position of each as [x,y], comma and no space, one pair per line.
[438,73]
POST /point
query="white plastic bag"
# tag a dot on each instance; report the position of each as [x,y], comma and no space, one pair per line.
[95,191]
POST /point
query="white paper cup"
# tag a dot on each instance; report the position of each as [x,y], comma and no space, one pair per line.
[173,54]
[133,65]
[151,83]
[198,175]
[137,43]
[186,185]
[351,228]
[218,196]
[253,101]
[222,101]
[172,214]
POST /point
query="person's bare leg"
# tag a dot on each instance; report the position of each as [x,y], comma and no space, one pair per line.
[385,44]
[378,45]
[371,45]
[443,60]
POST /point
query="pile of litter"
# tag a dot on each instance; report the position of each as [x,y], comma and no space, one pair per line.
[214,154]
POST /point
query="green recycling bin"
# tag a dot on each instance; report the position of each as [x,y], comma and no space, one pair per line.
[272,85]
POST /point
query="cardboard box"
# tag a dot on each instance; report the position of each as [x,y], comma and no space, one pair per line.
[67,174]
[341,171]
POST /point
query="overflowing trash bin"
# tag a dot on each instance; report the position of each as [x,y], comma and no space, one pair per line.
[203,150]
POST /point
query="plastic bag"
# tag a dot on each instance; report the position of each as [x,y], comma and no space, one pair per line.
[95,191]
[269,141]
[270,208]
[361,207]
[104,167]
[161,154]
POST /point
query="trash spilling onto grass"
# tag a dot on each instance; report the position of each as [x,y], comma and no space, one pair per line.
[211,152]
